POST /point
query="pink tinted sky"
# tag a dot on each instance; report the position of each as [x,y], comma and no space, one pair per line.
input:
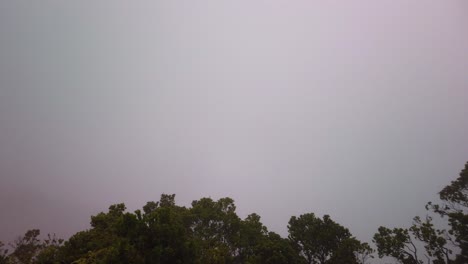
[357,110]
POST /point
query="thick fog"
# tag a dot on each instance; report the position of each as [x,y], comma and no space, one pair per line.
[355,109]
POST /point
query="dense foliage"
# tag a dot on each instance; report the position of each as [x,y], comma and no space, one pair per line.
[211,232]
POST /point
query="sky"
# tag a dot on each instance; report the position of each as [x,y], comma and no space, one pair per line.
[356,109]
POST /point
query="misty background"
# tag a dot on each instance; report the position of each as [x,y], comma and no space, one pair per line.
[353,109]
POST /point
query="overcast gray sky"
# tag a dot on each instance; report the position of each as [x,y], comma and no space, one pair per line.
[357,109]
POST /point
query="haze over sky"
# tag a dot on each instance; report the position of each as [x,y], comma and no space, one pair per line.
[357,109]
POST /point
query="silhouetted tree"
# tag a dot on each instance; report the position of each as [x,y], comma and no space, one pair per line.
[439,244]
[396,243]
[455,206]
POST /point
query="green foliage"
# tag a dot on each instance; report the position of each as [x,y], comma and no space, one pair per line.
[257,245]
[49,253]
[166,237]
[215,227]
[322,241]
[252,234]
[26,247]
[210,232]
[160,235]
[30,249]
[272,249]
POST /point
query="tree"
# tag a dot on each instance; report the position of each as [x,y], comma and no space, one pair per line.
[439,244]
[215,227]
[26,248]
[159,235]
[321,241]
[50,250]
[209,232]
[455,206]
[399,243]
[252,234]
[167,234]
[435,242]
[364,253]
[30,249]
[274,249]
[396,243]
[111,239]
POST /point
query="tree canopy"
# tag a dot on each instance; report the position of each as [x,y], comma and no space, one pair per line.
[211,232]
